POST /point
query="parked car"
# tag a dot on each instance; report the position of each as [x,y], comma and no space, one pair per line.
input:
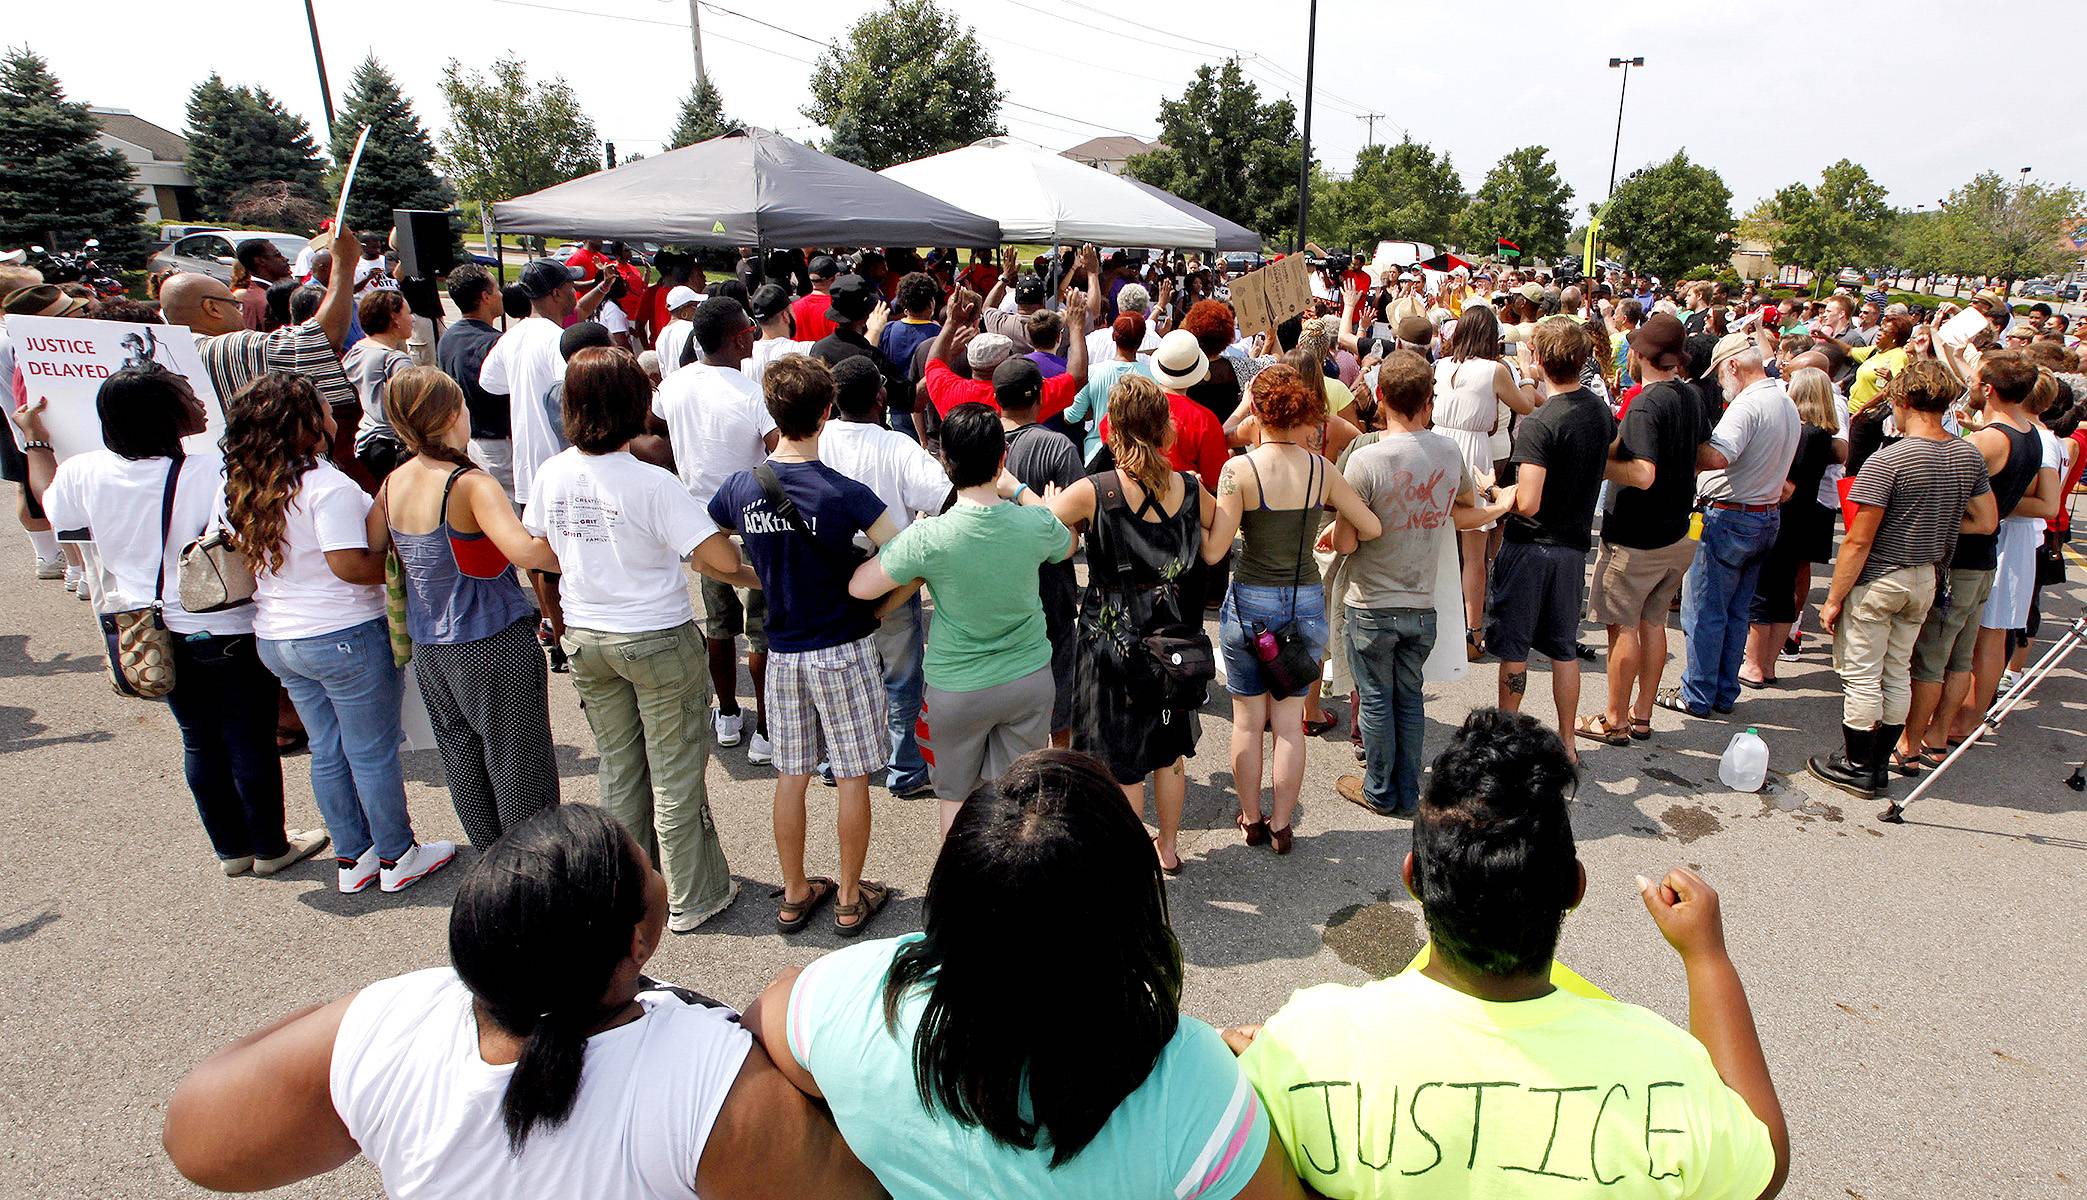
[2040,288]
[2069,292]
[1850,277]
[210,252]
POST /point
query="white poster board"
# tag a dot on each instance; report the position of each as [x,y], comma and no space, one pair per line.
[64,360]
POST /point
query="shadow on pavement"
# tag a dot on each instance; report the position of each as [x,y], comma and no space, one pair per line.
[22,931]
[19,727]
[436,891]
[15,661]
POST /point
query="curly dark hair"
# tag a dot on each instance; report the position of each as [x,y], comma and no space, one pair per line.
[275,429]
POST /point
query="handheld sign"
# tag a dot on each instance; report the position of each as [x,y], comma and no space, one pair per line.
[63,360]
[348,180]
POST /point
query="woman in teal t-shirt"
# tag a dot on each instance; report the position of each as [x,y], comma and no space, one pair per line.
[988,662]
[1040,1060]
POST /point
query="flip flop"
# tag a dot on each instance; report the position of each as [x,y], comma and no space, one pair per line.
[1595,727]
[870,900]
[1318,727]
[1170,872]
[792,916]
[1932,757]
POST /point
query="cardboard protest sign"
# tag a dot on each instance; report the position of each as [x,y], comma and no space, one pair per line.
[1263,299]
[64,359]
[1250,303]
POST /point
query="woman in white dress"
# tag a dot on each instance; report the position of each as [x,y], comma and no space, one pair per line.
[1475,393]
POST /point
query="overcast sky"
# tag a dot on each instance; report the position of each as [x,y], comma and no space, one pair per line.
[1764,95]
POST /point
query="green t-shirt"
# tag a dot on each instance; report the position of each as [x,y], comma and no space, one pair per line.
[1408,1088]
[980,564]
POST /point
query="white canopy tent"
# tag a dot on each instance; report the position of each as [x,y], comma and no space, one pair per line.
[1040,196]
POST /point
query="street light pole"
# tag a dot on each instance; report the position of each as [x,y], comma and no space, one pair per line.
[1617,149]
[318,57]
[1304,163]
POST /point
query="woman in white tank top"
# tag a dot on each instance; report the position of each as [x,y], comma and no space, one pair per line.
[468,1082]
[1476,395]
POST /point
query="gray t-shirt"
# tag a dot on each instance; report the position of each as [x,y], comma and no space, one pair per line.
[1758,434]
[370,366]
[1409,480]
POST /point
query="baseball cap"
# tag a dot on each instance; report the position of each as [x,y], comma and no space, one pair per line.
[822,266]
[1030,289]
[854,297]
[988,350]
[1728,347]
[769,301]
[1658,341]
[681,296]
[1017,383]
[1532,292]
[543,277]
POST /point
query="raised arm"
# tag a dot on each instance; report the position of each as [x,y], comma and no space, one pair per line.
[336,313]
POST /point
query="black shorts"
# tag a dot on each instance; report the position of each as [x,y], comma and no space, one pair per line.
[1534,602]
[14,467]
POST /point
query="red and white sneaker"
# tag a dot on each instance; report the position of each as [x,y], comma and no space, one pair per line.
[423,860]
[357,873]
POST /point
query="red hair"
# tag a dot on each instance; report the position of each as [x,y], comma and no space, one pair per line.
[1282,399]
[1212,323]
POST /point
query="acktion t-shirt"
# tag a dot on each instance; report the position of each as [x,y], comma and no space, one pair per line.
[806,586]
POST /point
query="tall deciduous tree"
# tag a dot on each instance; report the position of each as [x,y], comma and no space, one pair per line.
[1842,221]
[906,82]
[1404,191]
[398,164]
[2008,231]
[1522,200]
[56,180]
[702,115]
[1671,217]
[243,139]
[508,136]
[1224,148]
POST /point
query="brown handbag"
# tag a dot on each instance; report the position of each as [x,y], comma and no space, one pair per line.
[140,646]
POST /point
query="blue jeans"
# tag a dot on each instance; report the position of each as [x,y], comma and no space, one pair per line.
[1386,649]
[1717,599]
[347,692]
[898,643]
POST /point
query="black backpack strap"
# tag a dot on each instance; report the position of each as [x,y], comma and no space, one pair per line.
[786,508]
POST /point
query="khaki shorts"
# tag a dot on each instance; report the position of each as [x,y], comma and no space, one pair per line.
[1637,587]
[1947,639]
[729,612]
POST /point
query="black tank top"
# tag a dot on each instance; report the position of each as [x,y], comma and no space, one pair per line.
[2025,457]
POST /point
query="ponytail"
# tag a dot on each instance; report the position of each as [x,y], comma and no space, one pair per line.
[421,403]
[546,1080]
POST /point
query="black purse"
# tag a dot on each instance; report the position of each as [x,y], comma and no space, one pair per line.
[1292,667]
[1176,658]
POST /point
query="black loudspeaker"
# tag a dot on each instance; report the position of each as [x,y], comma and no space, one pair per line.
[427,248]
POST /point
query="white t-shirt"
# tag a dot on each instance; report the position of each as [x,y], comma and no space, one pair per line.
[411,1085]
[1830,480]
[522,366]
[672,341]
[305,599]
[716,419]
[766,351]
[113,501]
[612,317]
[620,529]
[1101,343]
[905,477]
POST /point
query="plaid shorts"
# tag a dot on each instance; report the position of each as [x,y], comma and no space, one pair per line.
[838,690]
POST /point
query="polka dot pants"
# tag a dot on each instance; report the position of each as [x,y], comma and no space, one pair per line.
[489,703]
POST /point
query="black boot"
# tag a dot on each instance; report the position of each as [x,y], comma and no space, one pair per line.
[1852,769]
[1887,742]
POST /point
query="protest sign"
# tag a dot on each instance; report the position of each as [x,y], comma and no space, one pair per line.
[340,211]
[63,360]
[1263,299]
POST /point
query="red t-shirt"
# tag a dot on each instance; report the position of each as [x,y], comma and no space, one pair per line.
[810,312]
[587,262]
[980,277]
[947,389]
[1199,439]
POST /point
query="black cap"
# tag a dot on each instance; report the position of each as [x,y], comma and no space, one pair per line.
[583,335]
[543,277]
[854,298]
[1017,383]
[1030,289]
[822,266]
[769,301]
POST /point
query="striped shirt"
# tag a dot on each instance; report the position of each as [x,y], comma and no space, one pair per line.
[1923,485]
[235,360]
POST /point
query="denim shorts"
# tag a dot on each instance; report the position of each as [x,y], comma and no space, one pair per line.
[1247,603]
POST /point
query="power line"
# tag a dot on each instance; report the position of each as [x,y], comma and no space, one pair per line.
[1069,117]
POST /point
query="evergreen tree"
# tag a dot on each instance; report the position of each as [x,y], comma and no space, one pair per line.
[398,164]
[241,139]
[702,116]
[1225,148]
[58,186]
[211,105]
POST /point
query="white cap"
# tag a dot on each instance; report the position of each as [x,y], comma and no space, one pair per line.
[682,295]
[988,350]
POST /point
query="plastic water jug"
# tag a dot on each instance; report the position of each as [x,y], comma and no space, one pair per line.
[1744,765]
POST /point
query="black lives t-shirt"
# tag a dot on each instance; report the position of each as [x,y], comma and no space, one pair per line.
[1569,438]
[1665,425]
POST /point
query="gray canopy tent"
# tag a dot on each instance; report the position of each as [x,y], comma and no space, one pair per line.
[749,187]
[1231,235]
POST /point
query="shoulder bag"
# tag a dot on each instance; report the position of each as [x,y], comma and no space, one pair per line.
[213,574]
[1176,656]
[141,649]
[779,500]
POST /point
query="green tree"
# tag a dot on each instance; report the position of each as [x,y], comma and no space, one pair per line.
[1522,200]
[59,186]
[1402,191]
[243,139]
[1669,217]
[908,81]
[1842,221]
[507,136]
[1222,147]
[702,116]
[2008,231]
[398,164]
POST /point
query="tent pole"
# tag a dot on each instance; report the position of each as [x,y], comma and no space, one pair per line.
[499,257]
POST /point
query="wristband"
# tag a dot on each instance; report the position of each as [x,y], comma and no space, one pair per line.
[36,445]
[1019,489]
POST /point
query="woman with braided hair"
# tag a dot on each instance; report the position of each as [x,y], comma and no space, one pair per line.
[474,632]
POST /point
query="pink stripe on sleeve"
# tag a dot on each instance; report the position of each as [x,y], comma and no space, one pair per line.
[1238,1141]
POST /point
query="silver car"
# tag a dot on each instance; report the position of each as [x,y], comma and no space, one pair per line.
[211,252]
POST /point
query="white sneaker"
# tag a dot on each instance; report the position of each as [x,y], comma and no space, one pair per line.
[72,579]
[690,922]
[50,568]
[760,751]
[303,844]
[729,729]
[356,875]
[423,860]
[236,866]
[2008,680]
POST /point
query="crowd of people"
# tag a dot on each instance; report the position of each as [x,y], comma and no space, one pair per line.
[1420,457]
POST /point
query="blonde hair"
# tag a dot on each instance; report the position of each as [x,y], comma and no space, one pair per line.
[422,403]
[1812,390]
[1138,422]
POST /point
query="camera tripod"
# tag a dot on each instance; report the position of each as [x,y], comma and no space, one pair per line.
[2002,706]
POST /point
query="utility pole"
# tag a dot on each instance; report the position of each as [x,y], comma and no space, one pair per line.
[608,154]
[1304,163]
[1626,64]
[1370,119]
[318,57]
[695,36]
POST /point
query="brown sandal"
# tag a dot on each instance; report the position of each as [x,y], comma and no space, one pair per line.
[870,900]
[793,915]
[1256,831]
[1596,727]
[1164,869]
[1640,729]
[1279,839]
